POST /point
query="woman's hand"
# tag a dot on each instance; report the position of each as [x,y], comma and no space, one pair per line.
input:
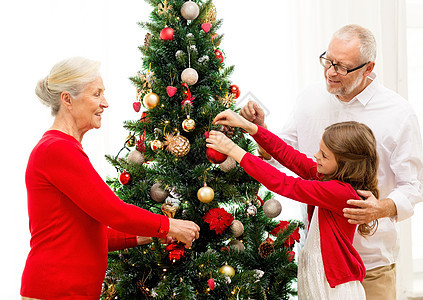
[184,231]
[230,118]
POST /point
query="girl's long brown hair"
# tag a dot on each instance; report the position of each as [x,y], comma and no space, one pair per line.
[354,147]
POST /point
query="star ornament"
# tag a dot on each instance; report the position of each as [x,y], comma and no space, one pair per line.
[218,219]
[164,8]
[228,100]
[146,78]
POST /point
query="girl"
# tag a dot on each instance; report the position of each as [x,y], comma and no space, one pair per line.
[328,267]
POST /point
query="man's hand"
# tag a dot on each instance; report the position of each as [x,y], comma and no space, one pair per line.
[253,113]
[369,209]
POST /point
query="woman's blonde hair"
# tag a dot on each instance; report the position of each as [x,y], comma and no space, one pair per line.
[354,147]
[70,75]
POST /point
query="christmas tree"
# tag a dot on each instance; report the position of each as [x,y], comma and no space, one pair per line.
[165,167]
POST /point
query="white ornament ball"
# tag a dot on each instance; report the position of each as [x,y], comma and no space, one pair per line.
[237,228]
[190,76]
[272,208]
[190,10]
[136,157]
[157,193]
[228,164]
[238,245]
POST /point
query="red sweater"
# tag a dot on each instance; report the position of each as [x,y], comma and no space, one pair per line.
[341,261]
[70,208]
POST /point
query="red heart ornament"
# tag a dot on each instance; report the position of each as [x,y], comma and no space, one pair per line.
[137,106]
[206,27]
[171,90]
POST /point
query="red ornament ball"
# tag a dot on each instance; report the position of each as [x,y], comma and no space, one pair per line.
[167,34]
[125,178]
[215,157]
[235,90]
[219,55]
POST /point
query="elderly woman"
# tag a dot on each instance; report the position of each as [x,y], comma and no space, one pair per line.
[74,217]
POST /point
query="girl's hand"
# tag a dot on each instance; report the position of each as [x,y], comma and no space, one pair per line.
[230,118]
[220,142]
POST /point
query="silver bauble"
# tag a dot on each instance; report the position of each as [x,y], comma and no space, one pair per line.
[237,228]
[251,211]
[190,10]
[136,157]
[190,76]
[157,193]
[238,245]
[228,164]
[272,208]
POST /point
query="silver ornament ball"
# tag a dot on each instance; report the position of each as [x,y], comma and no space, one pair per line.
[272,208]
[238,245]
[228,164]
[136,157]
[190,10]
[190,76]
[237,228]
[157,193]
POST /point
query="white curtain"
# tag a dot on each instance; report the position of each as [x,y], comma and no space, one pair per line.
[274,46]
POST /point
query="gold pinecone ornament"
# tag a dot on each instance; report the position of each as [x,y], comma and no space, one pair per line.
[266,248]
[177,144]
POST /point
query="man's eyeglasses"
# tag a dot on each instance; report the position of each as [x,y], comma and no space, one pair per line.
[326,63]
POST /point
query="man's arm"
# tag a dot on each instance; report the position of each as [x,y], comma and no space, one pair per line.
[369,209]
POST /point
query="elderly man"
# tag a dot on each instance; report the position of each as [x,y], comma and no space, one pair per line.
[353,93]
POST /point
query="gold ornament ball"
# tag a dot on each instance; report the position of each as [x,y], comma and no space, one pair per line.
[238,245]
[190,10]
[228,164]
[131,140]
[190,76]
[136,157]
[237,228]
[156,145]
[157,193]
[227,270]
[178,145]
[188,125]
[205,194]
[151,100]
[272,208]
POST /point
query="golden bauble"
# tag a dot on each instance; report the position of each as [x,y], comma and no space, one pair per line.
[190,76]
[131,141]
[156,145]
[169,209]
[177,144]
[227,270]
[157,193]
[190,10]
[188,125]
[151,100]
[272,208]
[237,228]
[205,194]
